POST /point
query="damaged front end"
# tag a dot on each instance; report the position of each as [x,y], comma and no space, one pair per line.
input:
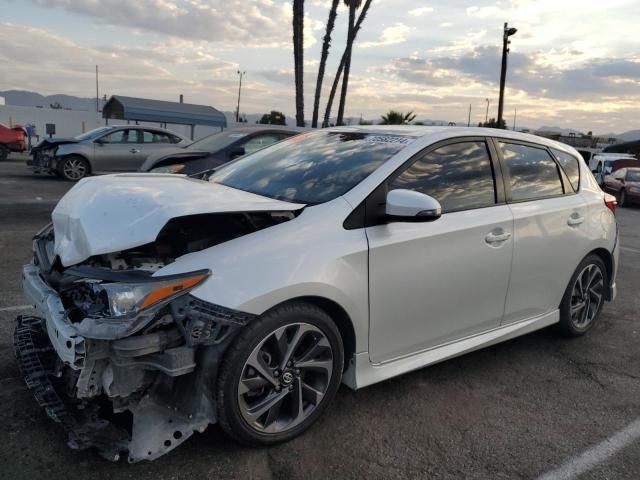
[125,360]
[44,155]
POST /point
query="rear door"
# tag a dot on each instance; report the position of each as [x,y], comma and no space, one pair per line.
[549,221]
[433,283]
[153,142]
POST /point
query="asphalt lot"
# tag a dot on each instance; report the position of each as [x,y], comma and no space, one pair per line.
[515,410]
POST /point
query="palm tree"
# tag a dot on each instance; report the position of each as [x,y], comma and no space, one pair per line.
[333,13]
[298,58]
[353,6]
[397,118]
[334,87]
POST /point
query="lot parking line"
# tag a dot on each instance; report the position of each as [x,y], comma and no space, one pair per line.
[16,308]
[595,455]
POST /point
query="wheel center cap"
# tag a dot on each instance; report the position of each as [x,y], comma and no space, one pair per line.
[287,378]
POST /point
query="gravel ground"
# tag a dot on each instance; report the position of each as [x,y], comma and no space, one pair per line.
[515,410]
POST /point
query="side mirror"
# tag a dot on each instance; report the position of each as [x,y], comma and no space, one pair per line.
[237,152]
[409,205]
[99,141]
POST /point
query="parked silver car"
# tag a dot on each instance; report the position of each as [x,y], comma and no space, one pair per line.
[122,148]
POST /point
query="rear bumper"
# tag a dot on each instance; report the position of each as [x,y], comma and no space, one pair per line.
[615,255]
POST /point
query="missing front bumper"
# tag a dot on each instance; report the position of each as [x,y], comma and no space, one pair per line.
[37,361]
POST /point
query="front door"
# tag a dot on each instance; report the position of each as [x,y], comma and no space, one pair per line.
[119,151]
[433,283]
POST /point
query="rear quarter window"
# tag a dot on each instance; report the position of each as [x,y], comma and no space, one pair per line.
[533,173]
[571,167]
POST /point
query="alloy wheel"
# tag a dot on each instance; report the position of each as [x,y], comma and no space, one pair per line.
[285,378]
[74,169]
[587,296]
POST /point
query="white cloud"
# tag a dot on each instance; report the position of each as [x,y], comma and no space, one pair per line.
[420,11]
[251,23]
[390,36]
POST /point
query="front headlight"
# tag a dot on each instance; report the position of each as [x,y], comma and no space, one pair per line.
[127,299]
[177,168]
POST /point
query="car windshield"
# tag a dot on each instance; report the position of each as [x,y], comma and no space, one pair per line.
[217,141]
[91,134]
[313,167]
[633,175]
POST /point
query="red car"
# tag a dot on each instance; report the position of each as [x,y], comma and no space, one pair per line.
[12,140]
[625,184]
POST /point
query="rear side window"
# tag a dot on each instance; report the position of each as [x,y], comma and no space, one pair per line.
[571,167]
[459,176]
[152,136]
[533,173]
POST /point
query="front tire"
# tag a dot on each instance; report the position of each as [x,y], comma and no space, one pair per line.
[279,375]
[584,297]
[73,168]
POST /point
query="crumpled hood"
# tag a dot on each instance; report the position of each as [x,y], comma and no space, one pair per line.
[115,212]
[51,142]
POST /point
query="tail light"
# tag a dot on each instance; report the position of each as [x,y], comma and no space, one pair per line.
[611,202]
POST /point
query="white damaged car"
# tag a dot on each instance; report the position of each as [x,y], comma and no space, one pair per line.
[165,304]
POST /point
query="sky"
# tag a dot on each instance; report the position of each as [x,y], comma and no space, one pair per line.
[573,63]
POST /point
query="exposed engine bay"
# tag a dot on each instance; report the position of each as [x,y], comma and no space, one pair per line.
[126,361]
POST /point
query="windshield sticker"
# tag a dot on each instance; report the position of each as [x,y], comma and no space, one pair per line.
[396,139]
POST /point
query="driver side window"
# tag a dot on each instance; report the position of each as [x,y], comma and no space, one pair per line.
[121,136]
[459,176]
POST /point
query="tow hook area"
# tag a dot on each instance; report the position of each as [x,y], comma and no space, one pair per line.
[37,360]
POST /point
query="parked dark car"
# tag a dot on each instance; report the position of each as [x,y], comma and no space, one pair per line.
[625,184]
[210,152]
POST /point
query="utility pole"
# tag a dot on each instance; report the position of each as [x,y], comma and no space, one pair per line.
[515,114]
[240,74]
[97,95]
[486,115]
[469,121]
[508,32]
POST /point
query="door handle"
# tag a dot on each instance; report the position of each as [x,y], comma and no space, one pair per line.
[134,150]
[497,237]
[575,220]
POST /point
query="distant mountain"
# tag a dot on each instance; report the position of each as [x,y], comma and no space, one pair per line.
[24,98]
[629,136]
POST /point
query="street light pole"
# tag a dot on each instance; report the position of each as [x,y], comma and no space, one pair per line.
[469,120]
[97,96]
[486,115]
[508,32]
[240,74]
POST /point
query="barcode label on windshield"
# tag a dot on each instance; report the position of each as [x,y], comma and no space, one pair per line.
[395,139]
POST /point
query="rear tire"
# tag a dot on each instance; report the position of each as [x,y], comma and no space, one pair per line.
[279,375]
[73,168]
[584,297]
[4,153]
